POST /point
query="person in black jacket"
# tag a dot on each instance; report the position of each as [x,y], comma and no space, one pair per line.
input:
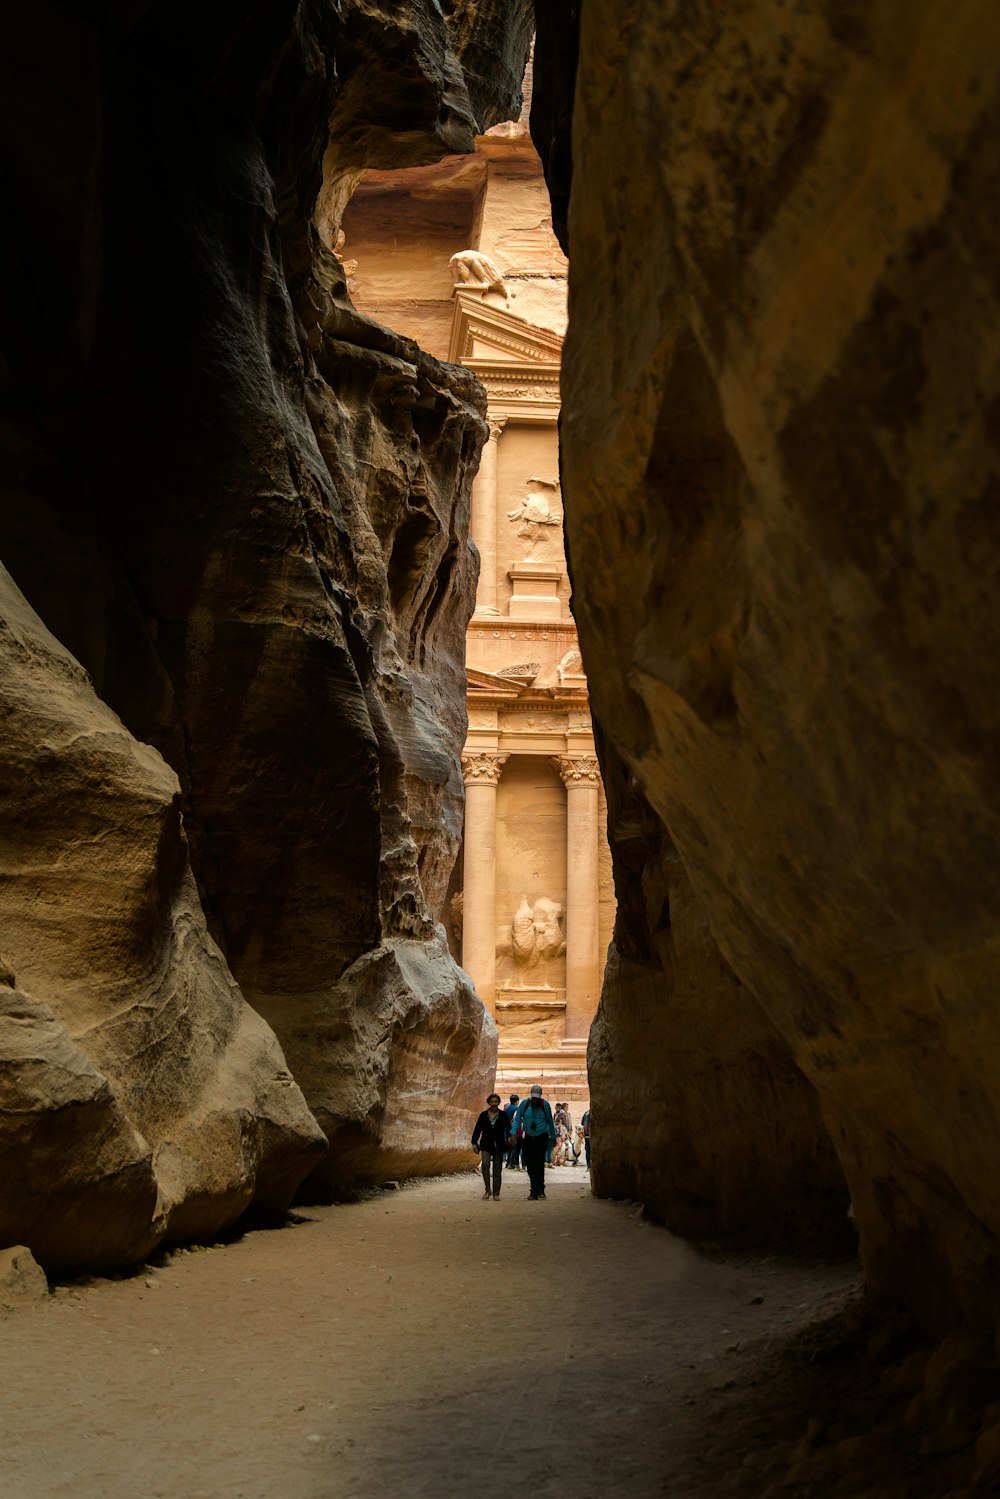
[491,1136]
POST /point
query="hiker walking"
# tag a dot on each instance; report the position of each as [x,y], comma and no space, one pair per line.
[514,1153]
[534,1116]
[490,1137]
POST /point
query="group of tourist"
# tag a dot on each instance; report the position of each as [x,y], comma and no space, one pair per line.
[525,1134]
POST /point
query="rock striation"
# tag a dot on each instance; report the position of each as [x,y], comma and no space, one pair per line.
[237,512]
[780,474]
[140,1096]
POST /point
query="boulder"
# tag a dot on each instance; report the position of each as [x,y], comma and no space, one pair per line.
[22,1279]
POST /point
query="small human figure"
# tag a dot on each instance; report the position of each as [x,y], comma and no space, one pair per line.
[535,1116]
[514,1151]
[562,1150]
[490,1137]
[585,1126]
[555,1155]
[576,1146]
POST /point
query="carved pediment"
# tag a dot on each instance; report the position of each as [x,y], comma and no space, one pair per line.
[488,681]
[484,333]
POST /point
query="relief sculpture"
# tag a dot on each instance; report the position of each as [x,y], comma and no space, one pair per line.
[473,268]
[537,932]
[539,520]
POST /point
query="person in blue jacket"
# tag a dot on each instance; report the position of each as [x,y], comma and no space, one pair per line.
[534,1115]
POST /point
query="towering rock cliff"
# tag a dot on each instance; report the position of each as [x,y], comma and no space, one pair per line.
[780,472]
[236,515]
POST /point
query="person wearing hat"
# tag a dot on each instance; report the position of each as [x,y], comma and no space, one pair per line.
[491,1137]
[534,1116]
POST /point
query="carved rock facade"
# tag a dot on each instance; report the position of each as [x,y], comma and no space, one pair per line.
[242,509]
[461,256]
[780,472]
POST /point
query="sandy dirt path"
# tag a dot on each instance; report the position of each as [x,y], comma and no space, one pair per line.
[417,1343]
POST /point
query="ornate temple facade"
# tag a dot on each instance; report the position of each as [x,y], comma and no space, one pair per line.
[461,256]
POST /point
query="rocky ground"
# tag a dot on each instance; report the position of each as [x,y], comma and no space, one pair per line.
[424,1341]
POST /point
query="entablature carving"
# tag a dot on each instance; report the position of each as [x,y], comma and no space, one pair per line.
[517,382]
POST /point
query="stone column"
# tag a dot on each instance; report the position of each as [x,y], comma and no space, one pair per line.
[581,777]
[483,519]
[481,773]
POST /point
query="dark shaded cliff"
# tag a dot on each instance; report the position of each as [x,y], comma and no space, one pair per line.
[780,470]
[243,509]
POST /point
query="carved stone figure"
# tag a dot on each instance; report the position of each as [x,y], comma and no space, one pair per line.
[537,933]
[539,521]
[571,666]
[350,266]
[536,508]
[473,268]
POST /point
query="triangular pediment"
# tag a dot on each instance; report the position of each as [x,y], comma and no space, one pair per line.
[488,681]
[484,333]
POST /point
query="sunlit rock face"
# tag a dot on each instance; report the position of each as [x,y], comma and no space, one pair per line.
[140,1097]
[242,509]
[780,476]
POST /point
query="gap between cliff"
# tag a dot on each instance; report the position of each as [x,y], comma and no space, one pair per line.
[423,1342]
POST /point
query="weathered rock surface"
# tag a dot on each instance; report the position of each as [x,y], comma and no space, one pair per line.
[393,1055]
[22,1279]
[780,474]
[722,1135]
[139,1095]
[244,509]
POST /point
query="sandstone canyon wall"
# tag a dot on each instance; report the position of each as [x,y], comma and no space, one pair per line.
[702,1114]
[780,468]
[234,514]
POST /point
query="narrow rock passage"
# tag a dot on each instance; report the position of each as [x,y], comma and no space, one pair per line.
[421,1342]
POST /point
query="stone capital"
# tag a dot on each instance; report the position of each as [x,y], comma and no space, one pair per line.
[578,770]
[497,424]
[482,768]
